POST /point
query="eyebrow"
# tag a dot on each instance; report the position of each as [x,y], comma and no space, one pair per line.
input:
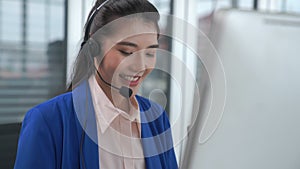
[125,43]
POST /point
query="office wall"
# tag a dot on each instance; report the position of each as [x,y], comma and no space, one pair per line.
[259,126]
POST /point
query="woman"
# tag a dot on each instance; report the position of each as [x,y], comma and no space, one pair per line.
[101,122]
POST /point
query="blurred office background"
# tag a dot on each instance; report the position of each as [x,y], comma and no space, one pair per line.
[39,40]
[32,63]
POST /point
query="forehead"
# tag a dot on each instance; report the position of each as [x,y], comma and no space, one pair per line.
[133,29]
[134,24]
[129,29]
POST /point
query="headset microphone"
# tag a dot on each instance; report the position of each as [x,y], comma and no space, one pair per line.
[124,91]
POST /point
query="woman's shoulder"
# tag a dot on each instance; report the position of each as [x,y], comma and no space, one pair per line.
[60,99]
[52,109]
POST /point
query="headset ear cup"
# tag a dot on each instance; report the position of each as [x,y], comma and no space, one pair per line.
[90,49]
[93,47]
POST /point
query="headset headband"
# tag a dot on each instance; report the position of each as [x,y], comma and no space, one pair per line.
[89,22]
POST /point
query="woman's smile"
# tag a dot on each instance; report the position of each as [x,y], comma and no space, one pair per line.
[130,80]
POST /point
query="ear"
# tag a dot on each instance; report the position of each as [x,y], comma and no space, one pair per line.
[94,47]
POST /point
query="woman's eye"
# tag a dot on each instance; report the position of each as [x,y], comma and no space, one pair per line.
[125,53]
[150,55]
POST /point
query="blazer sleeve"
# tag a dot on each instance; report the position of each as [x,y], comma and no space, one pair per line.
[36,148]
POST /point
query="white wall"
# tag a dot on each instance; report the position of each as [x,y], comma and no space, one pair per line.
[260,124]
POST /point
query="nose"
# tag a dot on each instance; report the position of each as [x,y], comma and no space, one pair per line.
[139,62]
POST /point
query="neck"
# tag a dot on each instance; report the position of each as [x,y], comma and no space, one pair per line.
[114,96]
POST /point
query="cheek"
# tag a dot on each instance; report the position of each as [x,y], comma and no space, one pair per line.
[154,62]
[108,68]
[147,72]
[111,62]
[150,66]
[151,62]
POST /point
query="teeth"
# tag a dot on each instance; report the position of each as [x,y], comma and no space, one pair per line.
[130,78]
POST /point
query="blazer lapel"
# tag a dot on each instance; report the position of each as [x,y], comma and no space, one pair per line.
[149,141]
[86,126]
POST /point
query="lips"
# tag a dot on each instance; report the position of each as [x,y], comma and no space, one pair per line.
[131,80]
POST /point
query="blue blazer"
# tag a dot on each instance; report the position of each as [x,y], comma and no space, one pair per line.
[61,134]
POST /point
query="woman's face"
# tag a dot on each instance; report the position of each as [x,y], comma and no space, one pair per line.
[129,54]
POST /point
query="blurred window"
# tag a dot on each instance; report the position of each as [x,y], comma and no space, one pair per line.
[32,55]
